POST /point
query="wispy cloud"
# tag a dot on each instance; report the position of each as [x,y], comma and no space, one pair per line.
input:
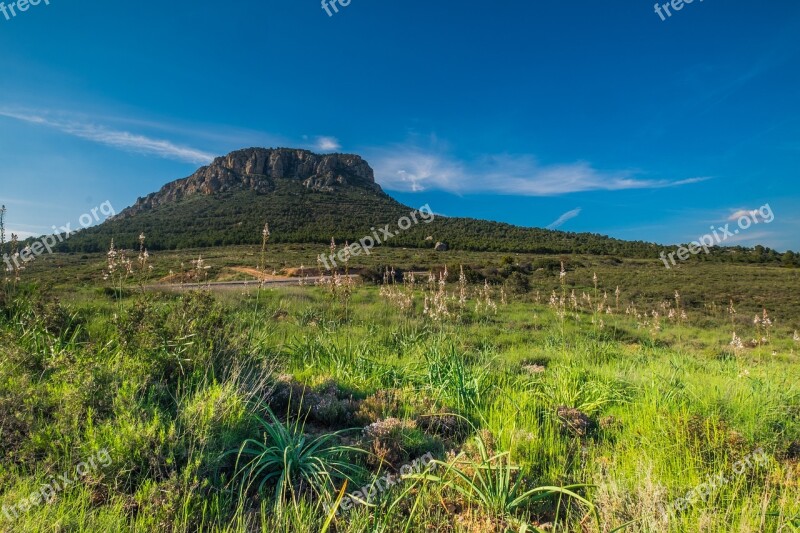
[749,238]
[328,144]
[22,235]
[411,169]
[29,203]
[123,140]
[747,213]
[569,215]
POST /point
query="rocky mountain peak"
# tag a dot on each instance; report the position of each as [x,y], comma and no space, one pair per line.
[256,169]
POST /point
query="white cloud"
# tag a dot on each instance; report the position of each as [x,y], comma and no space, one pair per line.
[569,215]
[328,144]
[739,213]
[123,140]
[410,168]
[22,235]
[744,238]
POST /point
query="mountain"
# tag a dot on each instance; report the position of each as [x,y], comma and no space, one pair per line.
[257,170]
[309,198]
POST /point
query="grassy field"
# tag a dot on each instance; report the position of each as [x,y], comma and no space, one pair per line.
[618,395]
[642,281]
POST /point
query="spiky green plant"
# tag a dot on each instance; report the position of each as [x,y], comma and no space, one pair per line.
[291,463]
[493,483]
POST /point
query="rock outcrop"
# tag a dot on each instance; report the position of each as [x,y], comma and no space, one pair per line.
[256,169]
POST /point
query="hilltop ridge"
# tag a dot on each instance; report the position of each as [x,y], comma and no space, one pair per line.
[256,169]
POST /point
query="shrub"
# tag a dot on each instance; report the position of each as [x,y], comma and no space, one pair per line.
[326,404]
[518,283]
[393,442]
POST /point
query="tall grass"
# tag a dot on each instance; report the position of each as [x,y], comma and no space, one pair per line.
[168,386]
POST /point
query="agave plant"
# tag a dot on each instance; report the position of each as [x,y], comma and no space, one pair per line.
[492,482]
[291,463]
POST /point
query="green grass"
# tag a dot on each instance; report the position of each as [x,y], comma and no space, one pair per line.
[168,384]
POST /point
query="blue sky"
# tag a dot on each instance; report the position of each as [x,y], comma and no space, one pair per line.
[586,116]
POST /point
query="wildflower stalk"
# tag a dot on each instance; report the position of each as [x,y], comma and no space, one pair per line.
[562,303]
[144,267]
[2,230]
[262,265]
[347,284]
[462,288]
[6,269]
[736,342]
[262,276]
[595,314]
[15,257]
[200,267]
[118,269]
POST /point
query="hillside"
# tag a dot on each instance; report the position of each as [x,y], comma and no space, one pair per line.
[309,198]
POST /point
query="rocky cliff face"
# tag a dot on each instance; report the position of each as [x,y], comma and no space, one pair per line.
[256,169]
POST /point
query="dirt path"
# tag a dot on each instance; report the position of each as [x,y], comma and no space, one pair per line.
[277,281]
